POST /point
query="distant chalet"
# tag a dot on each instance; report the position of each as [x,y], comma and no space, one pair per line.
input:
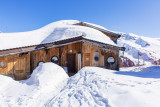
[68,43]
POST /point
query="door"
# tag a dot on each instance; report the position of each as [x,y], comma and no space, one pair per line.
[71,63]
[79,61]
[87,59]
[20,68]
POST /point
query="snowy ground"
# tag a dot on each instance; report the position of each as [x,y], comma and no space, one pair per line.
[92,86]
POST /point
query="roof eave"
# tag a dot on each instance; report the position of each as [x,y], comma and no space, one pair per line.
[46,45]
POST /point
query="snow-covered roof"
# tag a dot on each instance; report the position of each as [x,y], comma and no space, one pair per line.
[56,31]
[100,28]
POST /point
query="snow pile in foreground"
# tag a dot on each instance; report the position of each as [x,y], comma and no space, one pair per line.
[49,86]
[46,81]
[47,74]
[93,86]
[146,48]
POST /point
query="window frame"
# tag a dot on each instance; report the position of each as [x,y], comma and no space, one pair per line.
[4,62]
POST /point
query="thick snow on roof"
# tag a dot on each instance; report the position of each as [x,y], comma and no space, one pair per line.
[56,31]
[101,27]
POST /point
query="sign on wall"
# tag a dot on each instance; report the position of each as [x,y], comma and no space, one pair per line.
[96,53]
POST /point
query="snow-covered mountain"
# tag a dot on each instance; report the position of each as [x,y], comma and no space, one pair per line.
[145,49]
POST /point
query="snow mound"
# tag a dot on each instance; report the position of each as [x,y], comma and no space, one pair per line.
[46,81]
[47,74]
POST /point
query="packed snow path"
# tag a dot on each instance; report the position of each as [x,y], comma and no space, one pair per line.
[90,87]
[94,86]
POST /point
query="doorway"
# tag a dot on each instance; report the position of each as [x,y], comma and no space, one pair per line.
[71,64]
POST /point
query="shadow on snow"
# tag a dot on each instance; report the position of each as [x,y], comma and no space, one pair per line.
[149,72]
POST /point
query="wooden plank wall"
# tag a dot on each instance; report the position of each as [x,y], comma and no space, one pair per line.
[92,48]
[112,53]
[43,55]
[46,55]
[14,62]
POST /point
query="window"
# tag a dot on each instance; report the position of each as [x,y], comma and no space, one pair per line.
[3,64]
[110,60]
[54,59]
[96,58]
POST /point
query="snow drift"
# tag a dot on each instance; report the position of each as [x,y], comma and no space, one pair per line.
[46,81]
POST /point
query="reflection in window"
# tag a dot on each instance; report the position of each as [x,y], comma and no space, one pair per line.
[54,59]
[110,60]
[3,64]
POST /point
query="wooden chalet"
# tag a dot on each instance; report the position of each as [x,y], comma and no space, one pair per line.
[72,53]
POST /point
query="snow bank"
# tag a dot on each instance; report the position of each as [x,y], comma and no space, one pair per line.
[47,74]
[46,81]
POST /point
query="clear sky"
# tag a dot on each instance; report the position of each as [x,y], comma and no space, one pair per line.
[140,17]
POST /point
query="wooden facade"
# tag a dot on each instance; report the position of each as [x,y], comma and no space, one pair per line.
[74,56]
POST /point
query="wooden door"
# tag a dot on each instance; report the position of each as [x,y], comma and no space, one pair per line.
[79,61]
[87,59]
[20,64]
[71,63]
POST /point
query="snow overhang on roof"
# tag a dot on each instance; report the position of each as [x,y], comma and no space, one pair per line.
[100,28]
[57,31]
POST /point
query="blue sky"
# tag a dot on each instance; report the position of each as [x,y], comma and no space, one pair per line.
[140,17]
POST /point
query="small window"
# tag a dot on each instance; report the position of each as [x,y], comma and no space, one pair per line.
[54,59]
[111,60]
[96,58]
[3,64]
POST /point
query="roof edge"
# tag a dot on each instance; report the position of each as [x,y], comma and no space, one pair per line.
[47,45]
[100,29]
